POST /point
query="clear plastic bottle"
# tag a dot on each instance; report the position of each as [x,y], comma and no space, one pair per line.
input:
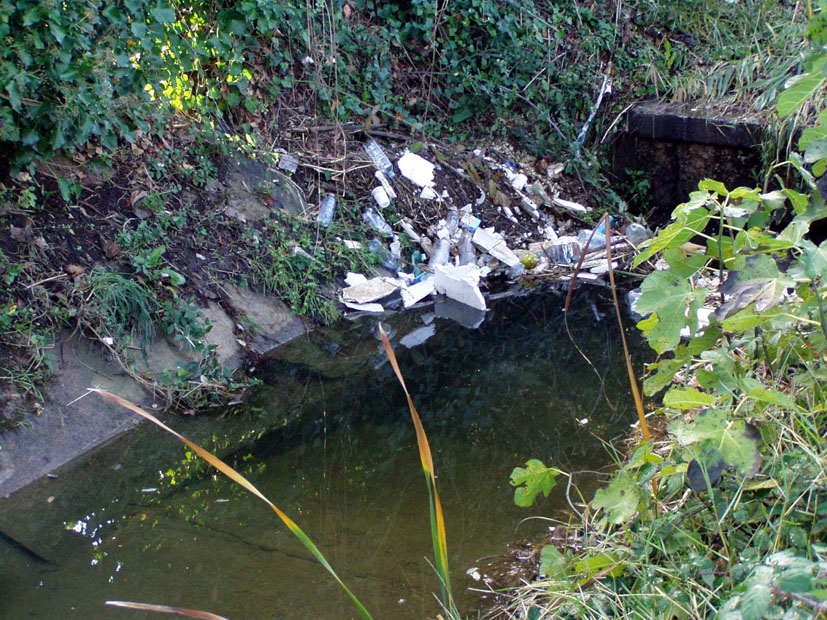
[440,254]
[467,254]
[377,222]
[452,221]
[563,253]
[378,157]
[636,233]
[389,261]
[598,240]
[326,210]
[386,184]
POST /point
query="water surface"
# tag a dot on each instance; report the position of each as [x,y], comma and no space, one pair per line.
[345,466]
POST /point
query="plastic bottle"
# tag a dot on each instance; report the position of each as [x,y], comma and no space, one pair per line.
[377,222]
[467,254]
[389,261]
[386,184]
[636,234]
[563,253]
[440,254]
[288,163]
[381,197]
[326,210]
[452,221]
[378,157]
[598,241]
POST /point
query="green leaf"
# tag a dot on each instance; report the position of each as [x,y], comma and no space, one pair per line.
[794,97]
[65,189]
[759,282]
[687,398]
[553,564]
[666,371]
[674,303]
[163,14]
[818,132]
[536,477]
[711,429]
[620,500]
[747,319]
[713,186]
[594,564]
[815,151]
[461,115]
[175,278]
[686,225]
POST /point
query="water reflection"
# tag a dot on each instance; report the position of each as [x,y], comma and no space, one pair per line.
[514,388]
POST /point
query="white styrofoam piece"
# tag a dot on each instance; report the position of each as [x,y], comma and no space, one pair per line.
[495,245]
[417,292]
[460,284]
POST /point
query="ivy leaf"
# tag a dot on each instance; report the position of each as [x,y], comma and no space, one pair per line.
[711,430]
[163,14]
[687,398]
[673,303]
[620,499]
[536,477]
[759,282]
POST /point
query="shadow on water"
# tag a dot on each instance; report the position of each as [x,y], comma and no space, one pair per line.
[343,463]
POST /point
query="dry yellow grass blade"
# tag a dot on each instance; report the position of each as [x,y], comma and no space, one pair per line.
[438,531]
[236,477]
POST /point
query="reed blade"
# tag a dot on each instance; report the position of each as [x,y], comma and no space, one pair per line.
[166,609]
[236,477]
[438,533]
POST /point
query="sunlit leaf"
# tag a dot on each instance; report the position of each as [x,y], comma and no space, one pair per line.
[676,305]
[619,501]
[687,398]
[711,429]
[790,100]
[536,477]
[687,224]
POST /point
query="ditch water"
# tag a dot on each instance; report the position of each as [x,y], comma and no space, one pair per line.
[140,520]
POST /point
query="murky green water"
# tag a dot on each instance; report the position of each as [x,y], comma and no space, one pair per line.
[514,388]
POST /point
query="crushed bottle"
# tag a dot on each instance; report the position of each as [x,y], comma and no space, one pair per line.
[467,253]
[636,234]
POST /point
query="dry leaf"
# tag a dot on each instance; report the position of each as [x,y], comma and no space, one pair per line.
[75,271]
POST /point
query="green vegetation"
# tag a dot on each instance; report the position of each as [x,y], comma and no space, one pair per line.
[724,514]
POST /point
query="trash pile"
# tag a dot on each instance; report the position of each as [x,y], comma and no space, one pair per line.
[513,228]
